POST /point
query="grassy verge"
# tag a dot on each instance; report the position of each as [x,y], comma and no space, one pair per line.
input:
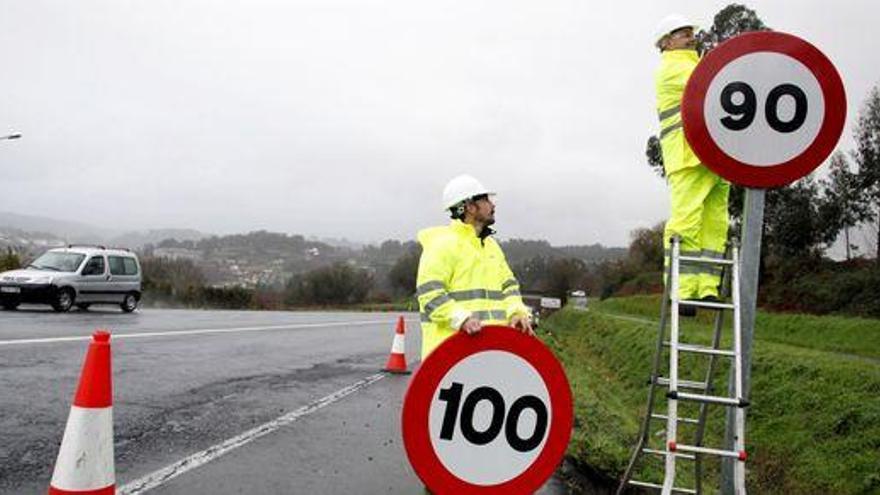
[814,426]
[848,335]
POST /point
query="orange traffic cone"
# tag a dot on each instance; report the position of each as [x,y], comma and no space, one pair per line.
[85,459]
[397,360]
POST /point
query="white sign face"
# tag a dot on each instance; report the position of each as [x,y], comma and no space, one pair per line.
[489,419]
[764,108]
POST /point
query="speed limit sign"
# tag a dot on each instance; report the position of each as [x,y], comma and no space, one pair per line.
[488,413]
[764,109]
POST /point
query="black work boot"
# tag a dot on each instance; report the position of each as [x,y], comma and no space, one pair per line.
[687,311]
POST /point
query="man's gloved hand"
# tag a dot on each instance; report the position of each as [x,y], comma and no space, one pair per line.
[522,323]
[471,326]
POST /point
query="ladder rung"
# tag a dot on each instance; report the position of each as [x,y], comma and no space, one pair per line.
[710,261]
[706,450]
[698,349]
[712,399]
[645,484]
[705,304]
[663,452]
[680,420]
[662,380]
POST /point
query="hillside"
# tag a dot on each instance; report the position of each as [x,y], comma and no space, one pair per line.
[264,258]
[37,233]
[519,251]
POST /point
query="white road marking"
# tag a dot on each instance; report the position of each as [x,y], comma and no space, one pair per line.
[157,478]
[200,331]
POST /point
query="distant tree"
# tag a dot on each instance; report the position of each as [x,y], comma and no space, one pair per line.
[592,254]
[519,250]
[867,157]
[387,252]
[532,274]
[338,283]
[391,248]
[793,225]
[403,273]
[10,260]
[172,279]
[639,272]
[843,204]
[174,243]
[225,297]
[730,21]
[646,247]
[267,298]
[565,275]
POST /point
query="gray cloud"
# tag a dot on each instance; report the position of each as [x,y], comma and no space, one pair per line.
[346,117]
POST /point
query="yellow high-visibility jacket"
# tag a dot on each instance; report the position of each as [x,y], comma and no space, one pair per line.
[460,276]
[671,78]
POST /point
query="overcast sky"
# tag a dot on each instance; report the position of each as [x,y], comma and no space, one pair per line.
[345,118]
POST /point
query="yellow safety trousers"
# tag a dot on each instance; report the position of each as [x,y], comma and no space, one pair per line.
[462,276]
[699,217]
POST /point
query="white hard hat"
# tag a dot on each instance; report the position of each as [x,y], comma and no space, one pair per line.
[670,23]
[461,188]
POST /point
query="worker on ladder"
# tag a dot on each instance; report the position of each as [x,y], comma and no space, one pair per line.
[698,196]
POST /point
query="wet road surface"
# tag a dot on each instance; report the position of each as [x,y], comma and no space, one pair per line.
[189,382]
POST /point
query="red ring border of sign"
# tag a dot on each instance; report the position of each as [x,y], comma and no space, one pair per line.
[767,176]
[426,380]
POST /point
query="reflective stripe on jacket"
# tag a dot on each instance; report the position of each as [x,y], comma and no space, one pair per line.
[462,276]
[671,78]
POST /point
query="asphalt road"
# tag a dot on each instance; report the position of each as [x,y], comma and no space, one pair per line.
[292,400]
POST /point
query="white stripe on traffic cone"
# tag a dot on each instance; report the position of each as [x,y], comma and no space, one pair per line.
[397,360]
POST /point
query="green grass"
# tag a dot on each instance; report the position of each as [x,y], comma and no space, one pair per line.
[814,423]
[847,335]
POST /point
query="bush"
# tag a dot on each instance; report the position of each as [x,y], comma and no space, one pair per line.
[823,287]
[226,297]
[9,261]
[339,283]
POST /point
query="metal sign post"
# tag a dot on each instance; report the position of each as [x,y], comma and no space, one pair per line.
[750,263]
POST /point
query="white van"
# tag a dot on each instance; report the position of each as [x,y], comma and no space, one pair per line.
[75,276]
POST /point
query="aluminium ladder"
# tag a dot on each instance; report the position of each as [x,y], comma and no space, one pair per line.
[673,449]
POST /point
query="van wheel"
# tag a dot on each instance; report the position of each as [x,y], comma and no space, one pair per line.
[83,306]
[63,300]
[130,303]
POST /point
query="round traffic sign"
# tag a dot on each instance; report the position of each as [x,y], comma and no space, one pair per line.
[764,109]
[487,413]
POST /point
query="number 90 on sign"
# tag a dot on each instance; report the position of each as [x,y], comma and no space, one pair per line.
[764,108]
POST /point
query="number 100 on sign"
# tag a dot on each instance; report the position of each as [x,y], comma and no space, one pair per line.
[490,429]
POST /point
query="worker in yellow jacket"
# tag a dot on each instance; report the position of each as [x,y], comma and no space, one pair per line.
[464,281]
[698,196]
